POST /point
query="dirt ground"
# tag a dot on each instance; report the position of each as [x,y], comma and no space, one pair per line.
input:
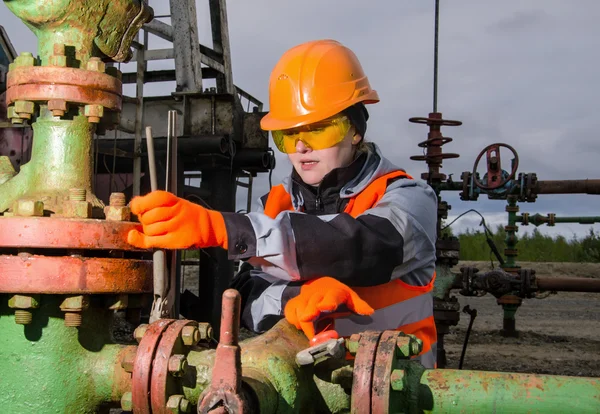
[559,335]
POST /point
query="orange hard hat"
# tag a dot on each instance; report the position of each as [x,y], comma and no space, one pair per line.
[314,81]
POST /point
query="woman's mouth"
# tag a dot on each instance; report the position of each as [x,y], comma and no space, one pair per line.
[308,165]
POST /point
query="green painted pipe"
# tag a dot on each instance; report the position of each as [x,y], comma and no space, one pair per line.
[269,368]
[61,158]
[454,391]
[48,367]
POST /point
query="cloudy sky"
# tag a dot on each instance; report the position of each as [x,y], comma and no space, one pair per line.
[519,72]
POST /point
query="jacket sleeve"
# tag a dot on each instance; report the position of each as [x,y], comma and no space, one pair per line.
[390,240]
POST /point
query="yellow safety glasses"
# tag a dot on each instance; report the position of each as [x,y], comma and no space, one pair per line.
[317,136]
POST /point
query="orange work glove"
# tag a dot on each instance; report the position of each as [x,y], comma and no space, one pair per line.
[170,222]
[322,295]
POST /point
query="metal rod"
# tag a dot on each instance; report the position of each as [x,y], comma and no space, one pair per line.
[151,159]
[159,264]
[175,256]
[249,205]
[435,54]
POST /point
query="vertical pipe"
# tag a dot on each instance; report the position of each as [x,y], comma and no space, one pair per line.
[139,115]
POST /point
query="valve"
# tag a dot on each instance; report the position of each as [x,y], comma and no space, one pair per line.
[225,393]
[495,177]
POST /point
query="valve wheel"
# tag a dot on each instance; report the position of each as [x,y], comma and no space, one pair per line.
[494,166]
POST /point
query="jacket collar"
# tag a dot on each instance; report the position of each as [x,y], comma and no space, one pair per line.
[374,166]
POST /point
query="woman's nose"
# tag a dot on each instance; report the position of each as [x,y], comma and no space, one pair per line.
[302,148]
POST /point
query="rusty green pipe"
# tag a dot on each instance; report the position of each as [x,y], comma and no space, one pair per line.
[61,158]
[454,391]
[83,25]
[269,368]
[48,367]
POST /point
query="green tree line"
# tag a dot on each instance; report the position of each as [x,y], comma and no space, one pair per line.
[532,246]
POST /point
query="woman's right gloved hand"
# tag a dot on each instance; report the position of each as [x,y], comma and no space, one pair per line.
[319,297]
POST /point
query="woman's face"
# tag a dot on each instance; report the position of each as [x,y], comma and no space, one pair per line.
[313,165]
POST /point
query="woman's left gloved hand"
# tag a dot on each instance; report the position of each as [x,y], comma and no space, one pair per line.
[320,297]
[170,222]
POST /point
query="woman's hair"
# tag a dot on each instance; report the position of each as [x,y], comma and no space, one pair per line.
[358,116]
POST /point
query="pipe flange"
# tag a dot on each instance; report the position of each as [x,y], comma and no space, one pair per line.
[170,364]
[142,367]
[73,275]
[65,233]
[64,84]
[363,371]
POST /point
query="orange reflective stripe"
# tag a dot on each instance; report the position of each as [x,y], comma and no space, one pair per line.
[394,291]
[424,330]
[371,195]
[278,200]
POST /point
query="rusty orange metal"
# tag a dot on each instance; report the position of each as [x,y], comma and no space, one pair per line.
[384,363]
[68,93]
[363,372]
[64,233]
[142,367]
[162,383]
[52,75]
[45,83]
[73,275]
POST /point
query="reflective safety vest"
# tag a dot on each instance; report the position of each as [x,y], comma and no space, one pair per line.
[398,305]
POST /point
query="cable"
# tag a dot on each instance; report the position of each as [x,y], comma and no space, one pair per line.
[488,235]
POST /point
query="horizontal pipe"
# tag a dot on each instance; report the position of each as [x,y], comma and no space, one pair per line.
[460,391]
[568,284]
[568,187]
[249,158]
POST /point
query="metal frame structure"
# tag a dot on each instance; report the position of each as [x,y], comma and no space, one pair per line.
[219,140]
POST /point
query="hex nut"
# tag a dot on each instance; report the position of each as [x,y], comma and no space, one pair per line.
[177,365]
[14,117]
[185,406]
[128,360]
[120,302]
[25,59]
[58,107]
[352,343]
[95,64]
[139,332]
[177,404]
[24,107]
[23,302]
[127,402]
[28,208]
[397,379]
[77,209]
[403,346]
[190,335]
[112,213]
[74,303]
[93,113]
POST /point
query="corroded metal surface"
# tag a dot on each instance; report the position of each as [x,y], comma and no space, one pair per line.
[363,372]
[384,363]
[53,75]
[63,233]
[226,384]
[163,384]
[142,368]
[64,275]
